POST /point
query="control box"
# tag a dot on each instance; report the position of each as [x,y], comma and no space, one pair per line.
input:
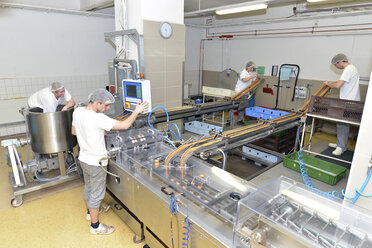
[301,92]
[136,92]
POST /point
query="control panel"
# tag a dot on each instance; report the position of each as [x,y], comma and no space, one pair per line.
[136,92]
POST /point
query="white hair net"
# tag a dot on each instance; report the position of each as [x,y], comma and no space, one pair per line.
[249,64]
[55,86]
[101,95]
[339,57]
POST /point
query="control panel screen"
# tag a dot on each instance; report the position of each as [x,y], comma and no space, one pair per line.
[131,90]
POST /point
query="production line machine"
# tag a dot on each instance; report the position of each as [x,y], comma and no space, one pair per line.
[170,204]
[171,197]
[49,135]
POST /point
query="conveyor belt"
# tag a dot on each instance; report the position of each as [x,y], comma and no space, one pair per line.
[239,133]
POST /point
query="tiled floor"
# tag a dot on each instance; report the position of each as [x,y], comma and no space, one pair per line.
[54,218]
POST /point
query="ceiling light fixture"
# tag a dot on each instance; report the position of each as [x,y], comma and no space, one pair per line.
[315,1]
[239,9]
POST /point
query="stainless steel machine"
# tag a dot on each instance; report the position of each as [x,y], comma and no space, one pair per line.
[144,190]
[286,213]
[49,135]
[198,205]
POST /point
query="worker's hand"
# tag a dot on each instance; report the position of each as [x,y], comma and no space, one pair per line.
[142,107]
[64,108]
[326,83]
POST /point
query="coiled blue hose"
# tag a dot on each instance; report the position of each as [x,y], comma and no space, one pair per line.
[305,175]
[186,233]
[329,194]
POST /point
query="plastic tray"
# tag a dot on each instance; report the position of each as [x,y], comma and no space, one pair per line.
[336,108]
[264,113]
[319,169]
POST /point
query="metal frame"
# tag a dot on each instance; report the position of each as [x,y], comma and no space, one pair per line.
[136,38]
[312,132]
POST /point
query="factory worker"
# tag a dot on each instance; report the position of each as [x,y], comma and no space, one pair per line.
[48,99]
[349,90]
[246,77]
[89,124]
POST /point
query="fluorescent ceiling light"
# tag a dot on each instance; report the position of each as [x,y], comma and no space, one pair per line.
[315,1]
[241,9]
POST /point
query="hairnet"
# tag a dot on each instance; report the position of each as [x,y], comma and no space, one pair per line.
[101,95]
[249,64]
[339,57]
[55,86]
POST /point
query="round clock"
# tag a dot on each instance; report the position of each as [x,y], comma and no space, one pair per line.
[165,30]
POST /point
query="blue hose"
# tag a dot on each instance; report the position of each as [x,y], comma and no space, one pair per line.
[359,191]
[158,107]
[174,134]
[329,194]
[173,210]
[306,177]
[186,233]
[178,130]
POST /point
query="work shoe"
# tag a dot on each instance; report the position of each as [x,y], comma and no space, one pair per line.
[333,145]
[102,229]
[240,123]
[338,151]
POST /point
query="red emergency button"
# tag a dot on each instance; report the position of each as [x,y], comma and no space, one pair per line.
[127,105]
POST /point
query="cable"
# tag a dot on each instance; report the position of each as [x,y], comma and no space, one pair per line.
[100,164]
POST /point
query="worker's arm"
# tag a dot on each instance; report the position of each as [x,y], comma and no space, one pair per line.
[335,85]
[73,130]
[125,124]
[70,104]
[249,78]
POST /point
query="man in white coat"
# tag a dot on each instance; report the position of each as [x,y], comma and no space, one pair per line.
[349,90]
[89,124]
[48,99]
[246,77]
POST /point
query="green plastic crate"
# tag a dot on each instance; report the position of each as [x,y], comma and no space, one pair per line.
[316,168]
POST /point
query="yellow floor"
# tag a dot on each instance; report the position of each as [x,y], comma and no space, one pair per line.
[54,218]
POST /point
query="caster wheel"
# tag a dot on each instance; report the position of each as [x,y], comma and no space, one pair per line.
[16,202]
[146,246]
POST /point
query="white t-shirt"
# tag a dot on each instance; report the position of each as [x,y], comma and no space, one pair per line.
[350,89]
[46,100]
[240,85]
[90,130]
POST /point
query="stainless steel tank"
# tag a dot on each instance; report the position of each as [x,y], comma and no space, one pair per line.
[50,132]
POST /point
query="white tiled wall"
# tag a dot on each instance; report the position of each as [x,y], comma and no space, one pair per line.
[78,86]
